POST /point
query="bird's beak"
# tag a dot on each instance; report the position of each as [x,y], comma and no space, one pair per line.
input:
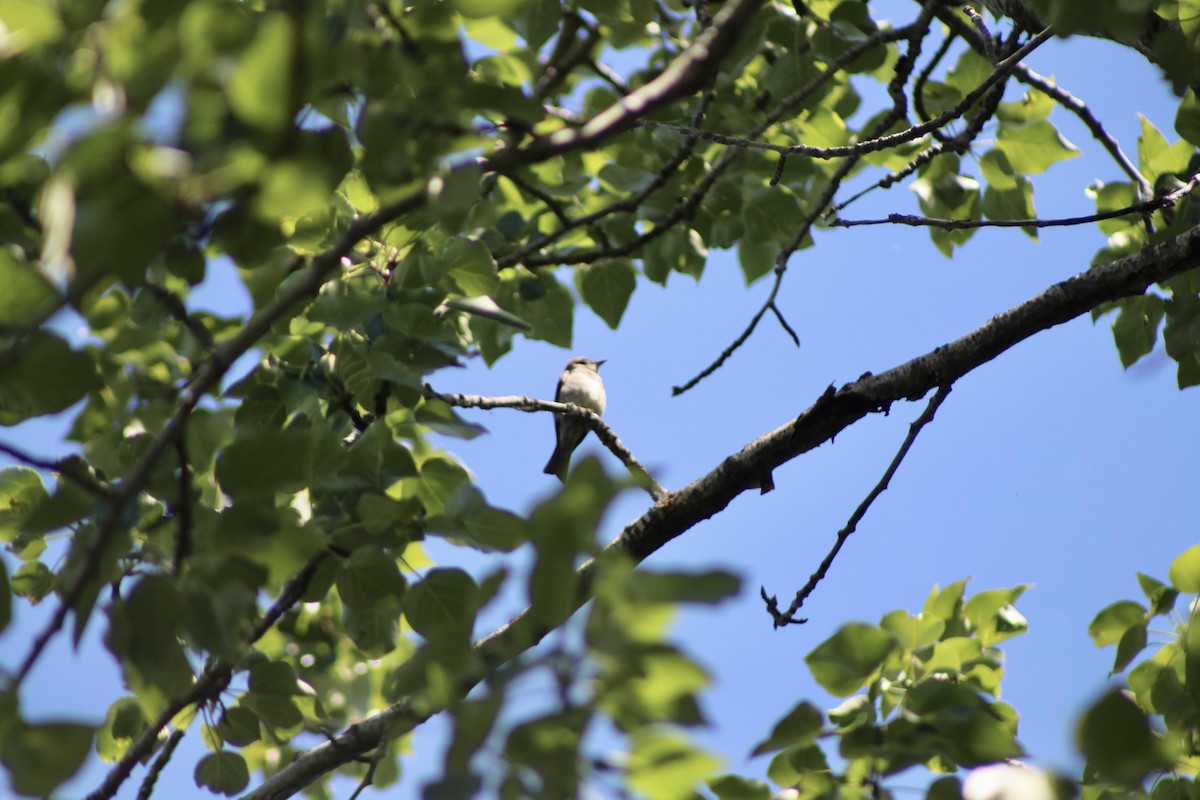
[601,361]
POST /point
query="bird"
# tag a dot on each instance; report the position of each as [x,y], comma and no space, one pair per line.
[579,384]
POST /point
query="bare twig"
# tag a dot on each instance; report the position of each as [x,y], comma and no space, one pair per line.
[1080,109]
[160,763]
[176,308]
[369,778]
[593,420]
[1166,201]
[789,617]
[71,468]
[183,532]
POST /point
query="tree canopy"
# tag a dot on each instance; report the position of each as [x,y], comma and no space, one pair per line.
[400,188]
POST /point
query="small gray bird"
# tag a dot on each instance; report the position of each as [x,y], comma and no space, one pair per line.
[579,384]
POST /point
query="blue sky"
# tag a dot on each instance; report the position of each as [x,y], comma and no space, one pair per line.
[1050,466]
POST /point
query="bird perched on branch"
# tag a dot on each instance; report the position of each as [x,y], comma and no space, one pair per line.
[579,384]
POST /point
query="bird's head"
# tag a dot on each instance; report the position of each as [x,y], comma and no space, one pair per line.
[584,363]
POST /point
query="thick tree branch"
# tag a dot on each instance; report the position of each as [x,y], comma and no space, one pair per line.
[829,416]
[593,420]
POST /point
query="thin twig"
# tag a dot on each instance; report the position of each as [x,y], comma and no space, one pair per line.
[369,778]
[160,763]
[593,420]
[176,308]
[1080,109]
[183,532]
[1166,201]
[789,617]
[71,468]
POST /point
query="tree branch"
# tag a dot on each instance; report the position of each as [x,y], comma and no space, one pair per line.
[789,617]
[593,420]
[146,790]
[1166,201]
[829,416]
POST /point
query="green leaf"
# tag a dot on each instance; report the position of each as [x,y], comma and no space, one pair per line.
[144,635]
[47,377]
[472,267]
[1156,157]
[801,726]
[442,606]
[852,713]
[1110,624]
[664,766]
[684,587]
[946,788]
[239,726]
[277,712]
[993,615]
[123,723]
[1184,573]
[1133,641]
[1114,196]
[538,22]
[440,479]
[805,763]
[260,91]
[1033,147]
[369,578]
[756,258]
[41,757]
[487,308]
[1162,597]
[607,286]
[1187,119]
[262,462]
[27,294]
[374,631]
[680,249]
[843,663]
[222,773]
[33,580]
[1115,737]
[561,528]
[1011,204]
[21,492]
[468,517]
[29,24]
[1190,640]
[969,729]
[273,678]
[551,314]
[735,787]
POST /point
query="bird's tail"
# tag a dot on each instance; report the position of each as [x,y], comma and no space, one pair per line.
[557,465]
